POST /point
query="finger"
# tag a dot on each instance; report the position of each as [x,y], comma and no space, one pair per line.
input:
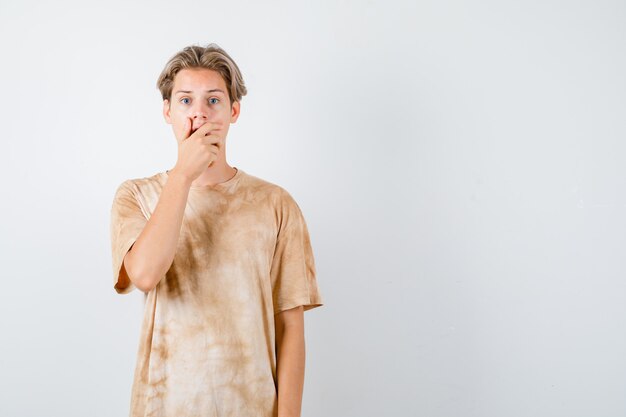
[211,140]
[187,130]
[212,150]
[206,128]
[214,157]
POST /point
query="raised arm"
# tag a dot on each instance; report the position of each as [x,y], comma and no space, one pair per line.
[153,252]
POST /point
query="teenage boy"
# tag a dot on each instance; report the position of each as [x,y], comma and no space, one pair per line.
[224,259]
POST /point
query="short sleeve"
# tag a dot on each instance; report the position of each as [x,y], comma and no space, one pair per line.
[293,275]
[127,222]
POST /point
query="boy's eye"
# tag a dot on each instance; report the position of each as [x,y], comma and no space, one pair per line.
[212,100]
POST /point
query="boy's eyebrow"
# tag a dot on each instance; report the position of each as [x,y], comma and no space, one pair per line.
[208,91]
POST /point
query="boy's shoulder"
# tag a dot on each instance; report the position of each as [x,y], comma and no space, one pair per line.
[281,199]
[140,184]
[262,185]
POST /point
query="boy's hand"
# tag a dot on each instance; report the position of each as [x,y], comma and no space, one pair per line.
[198,150]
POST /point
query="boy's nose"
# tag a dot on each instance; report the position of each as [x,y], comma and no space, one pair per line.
[199,113]
[199,117]
[200,110]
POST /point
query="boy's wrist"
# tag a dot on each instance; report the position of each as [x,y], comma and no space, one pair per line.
[177,177]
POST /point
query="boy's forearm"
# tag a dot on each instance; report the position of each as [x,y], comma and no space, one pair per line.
[153,252]
[290,369]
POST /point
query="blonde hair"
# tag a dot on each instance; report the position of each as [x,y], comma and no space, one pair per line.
[210,57]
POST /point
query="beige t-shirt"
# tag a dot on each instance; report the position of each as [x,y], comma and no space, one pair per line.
[207,343]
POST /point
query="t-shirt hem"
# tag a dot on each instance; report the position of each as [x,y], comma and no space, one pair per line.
[116,278]
[306,303]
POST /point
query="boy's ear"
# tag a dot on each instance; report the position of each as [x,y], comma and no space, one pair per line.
[234,111]
[166,111]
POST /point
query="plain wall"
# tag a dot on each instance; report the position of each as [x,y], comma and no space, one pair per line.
[460,166]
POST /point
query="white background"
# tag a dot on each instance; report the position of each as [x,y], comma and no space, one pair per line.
[460,165]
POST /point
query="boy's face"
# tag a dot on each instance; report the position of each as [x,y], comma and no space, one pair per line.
[199,94]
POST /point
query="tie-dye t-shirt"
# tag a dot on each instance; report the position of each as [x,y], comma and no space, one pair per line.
[207,341]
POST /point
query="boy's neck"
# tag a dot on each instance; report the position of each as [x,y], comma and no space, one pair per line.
[217,173]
